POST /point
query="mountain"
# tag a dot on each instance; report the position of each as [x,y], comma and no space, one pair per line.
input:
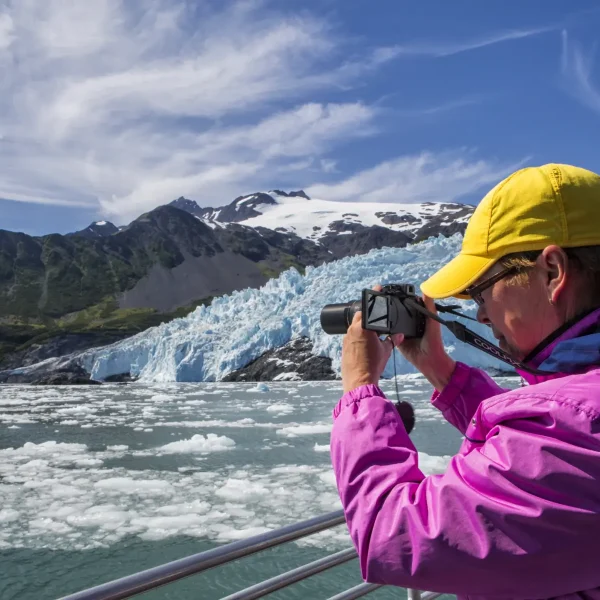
[343,229]
[272,332]
[190,206]
[171,256]
[98,229]
[163,260]
[162,265]
[242,208]
[59,293]
[322,221]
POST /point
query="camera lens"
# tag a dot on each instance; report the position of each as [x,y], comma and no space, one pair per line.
[336,318]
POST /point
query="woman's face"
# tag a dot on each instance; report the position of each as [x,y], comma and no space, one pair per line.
[519,314]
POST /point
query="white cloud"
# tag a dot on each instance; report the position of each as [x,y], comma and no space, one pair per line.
[6,30]
[63,29]
[438,50]
[576,71]
[440,108]
[299,132]
[224,76]
[424,177]
[221,161]
[106,105]
[328,165]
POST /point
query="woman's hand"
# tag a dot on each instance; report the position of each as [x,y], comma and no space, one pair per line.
[364,356]
[428,354]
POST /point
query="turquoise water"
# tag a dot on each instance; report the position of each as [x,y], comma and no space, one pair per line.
[97,483]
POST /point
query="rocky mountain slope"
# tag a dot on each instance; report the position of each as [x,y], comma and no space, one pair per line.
[61,293]
[294,361]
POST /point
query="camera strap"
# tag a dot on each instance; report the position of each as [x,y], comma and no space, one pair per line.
[462,333]
[452,309]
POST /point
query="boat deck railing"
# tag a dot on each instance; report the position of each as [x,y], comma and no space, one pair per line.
[144,581]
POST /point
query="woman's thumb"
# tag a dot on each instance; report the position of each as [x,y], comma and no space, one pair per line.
[432,324]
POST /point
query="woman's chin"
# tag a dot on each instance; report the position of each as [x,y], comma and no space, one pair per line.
[502,343]
[510,350]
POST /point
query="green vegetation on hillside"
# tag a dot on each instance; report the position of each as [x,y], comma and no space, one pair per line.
[104,323]
[271,271]
[56,275]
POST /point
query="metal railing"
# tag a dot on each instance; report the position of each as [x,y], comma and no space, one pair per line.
[144,581]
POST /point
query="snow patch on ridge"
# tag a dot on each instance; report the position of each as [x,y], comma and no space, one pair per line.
[311,219]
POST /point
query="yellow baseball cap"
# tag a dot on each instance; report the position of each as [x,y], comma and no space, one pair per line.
[531,209]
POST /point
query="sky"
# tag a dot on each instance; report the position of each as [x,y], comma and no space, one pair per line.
[110,108]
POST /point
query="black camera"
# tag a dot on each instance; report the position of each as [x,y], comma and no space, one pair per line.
[390,311]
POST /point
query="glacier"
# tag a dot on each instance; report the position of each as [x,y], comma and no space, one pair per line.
[238,328]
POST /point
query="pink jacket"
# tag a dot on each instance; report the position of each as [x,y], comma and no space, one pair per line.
[517,512]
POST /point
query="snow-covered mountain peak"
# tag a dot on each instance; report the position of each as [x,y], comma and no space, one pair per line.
[242,208]
[316,218]
[98,229]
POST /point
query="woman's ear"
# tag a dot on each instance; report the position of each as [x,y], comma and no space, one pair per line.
[555,265]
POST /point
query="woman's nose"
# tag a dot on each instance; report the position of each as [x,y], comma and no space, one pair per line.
[482,315]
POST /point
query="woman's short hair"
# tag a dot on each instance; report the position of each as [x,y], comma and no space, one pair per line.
[585,259]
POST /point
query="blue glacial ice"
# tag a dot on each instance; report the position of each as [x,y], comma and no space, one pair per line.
[238,328]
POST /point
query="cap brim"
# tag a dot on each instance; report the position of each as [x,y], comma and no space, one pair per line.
[452,279]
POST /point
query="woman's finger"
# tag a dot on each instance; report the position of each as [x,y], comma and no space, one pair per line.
[387,344]
[397,338]
[356,320]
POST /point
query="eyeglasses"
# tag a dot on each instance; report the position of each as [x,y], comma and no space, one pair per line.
[475,291]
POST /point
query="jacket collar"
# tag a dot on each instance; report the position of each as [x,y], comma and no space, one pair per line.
[573,348]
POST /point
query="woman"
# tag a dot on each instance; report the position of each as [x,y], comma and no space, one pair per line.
[517,512]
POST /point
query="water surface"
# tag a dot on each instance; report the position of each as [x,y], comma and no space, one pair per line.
[99,482]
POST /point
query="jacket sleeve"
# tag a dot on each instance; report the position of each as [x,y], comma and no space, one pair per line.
[467,388]
[495,523]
